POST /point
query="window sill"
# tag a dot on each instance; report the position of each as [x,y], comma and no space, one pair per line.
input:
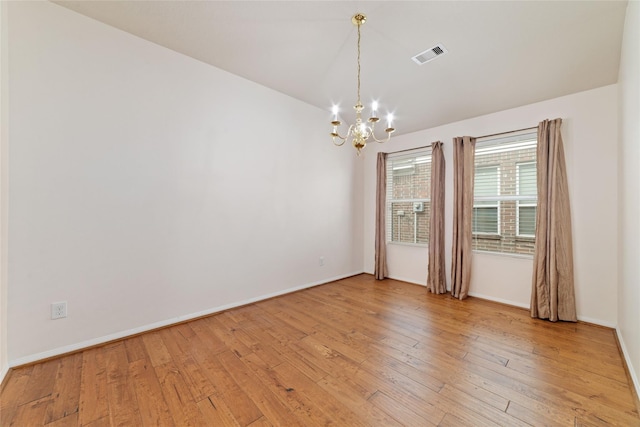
[525,239]
[417,245]
[504,254]
[486,236]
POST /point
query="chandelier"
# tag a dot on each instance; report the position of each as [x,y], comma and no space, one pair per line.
[360,132]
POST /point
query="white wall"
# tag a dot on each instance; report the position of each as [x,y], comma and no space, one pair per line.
[4,360]
[629,193]
[147,187]
[590,134]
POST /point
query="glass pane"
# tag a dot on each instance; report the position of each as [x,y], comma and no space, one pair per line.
[486,181]
[410,178]
[410,222]
[527,221]
[485,220]
[527,179]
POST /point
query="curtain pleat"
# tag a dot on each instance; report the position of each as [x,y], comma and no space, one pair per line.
[436,281]
[552,290]
[463,165]
[380,268]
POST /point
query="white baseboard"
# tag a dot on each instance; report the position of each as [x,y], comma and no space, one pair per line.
[500,300]
[402,279]
[627,359]
[597,322]
[123,334]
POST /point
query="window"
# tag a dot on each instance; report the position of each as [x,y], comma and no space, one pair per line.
[408,191]
[505,194]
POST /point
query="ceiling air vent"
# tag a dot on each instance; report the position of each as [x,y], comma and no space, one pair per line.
[429,54]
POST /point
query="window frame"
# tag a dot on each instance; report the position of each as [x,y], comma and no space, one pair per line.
[416,156]
[506,152]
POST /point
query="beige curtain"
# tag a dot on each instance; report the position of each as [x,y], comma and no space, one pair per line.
[463,165]
[436,281]
[552,293]
[380,269]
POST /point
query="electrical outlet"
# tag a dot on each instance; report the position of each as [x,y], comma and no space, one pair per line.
[321,261]
[58,310]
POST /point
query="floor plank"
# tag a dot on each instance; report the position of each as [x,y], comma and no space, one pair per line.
[123,404]
[152,405]
[66,390]
[94,404]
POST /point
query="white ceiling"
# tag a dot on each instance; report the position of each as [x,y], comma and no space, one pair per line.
[502,54]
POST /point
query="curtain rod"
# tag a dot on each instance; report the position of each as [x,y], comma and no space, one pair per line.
[504,133]
[411,149]
[477,137]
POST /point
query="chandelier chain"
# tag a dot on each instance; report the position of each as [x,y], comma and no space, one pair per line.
[359,64]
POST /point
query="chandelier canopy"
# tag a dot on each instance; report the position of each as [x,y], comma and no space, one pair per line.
[360,132]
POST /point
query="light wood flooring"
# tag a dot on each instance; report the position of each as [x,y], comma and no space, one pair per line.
[355,352]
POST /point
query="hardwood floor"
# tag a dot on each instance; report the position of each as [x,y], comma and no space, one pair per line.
[356,352]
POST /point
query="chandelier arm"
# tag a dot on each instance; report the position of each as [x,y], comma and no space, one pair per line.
[371,130]
[335,134]
[338,144]
[381,140]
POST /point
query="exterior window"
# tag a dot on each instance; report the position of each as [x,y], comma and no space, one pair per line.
[505,194]
[408,191]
